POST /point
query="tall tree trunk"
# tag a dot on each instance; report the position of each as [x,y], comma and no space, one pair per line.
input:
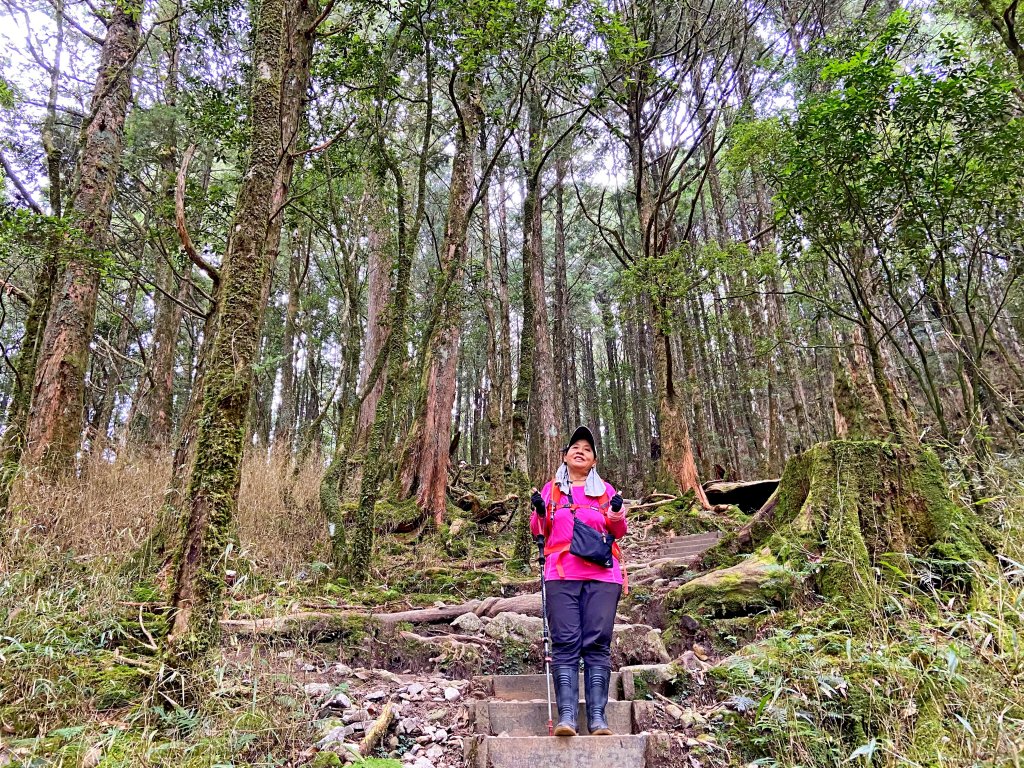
[12,444]
[284,429]
[500,403]
[639,400]
[527,410]
[55,421]
[100,431]
[591,403]
[154,412]
[492,414]
[615,387]
[564,339]
[213,489]
[425,464]
[357,563]
[378,273]
[676,450]
[545,394]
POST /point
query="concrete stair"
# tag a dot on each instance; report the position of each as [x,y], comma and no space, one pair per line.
[530,718]
[557,752]
[510,724]
[510,730]
[533,687]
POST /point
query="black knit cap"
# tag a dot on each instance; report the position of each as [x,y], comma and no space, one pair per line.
[581,433]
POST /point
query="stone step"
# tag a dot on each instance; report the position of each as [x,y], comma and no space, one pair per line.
[689,554]
[686,548]
[563,752]
[533,687]
[697,538]
[709,536]
[689,546]
[530,718]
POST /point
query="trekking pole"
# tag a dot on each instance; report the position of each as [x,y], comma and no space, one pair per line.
[547,633]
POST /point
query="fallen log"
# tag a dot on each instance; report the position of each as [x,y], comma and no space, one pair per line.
[762,518]
[446,638]
[305,623]
[651,505]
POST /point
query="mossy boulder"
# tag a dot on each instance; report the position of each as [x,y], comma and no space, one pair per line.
[753,584]
[637,644]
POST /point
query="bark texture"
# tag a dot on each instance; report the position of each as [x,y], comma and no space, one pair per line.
[55,422]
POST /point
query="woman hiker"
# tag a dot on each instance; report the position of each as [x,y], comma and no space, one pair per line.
[583,578]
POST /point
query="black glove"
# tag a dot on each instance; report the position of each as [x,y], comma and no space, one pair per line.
[616,503]
[537,502]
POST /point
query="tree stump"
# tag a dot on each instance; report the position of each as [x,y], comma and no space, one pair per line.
[854,516]
[868,508]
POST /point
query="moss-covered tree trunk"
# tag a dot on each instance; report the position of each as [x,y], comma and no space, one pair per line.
[152,426]
[529,410]
[378,272]
[856,515]
[495,303]
[12,444]
[376,465]
[545,387]
[866,506]
[54,427]
[213,490]
[284,427]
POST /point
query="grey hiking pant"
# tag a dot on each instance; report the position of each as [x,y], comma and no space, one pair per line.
[581,615]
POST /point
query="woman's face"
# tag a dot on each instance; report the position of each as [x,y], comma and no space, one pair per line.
[580,456]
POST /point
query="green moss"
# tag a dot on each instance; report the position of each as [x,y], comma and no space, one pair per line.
[448,582]
[858,513]
[326,760]
[392,515]
[515,658]
[112,685]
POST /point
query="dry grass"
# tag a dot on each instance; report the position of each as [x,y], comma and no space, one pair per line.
[279,520]
[107,511]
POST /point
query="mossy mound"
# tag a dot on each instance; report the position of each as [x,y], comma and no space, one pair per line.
[902,694]
[683,517]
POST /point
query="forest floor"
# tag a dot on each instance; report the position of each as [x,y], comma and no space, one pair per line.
[81,682]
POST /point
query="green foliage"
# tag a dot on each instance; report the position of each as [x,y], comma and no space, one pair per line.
[914,160]
[814,695]
[6,94]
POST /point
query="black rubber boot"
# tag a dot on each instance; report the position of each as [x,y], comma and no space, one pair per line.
[567,694]
[596,680]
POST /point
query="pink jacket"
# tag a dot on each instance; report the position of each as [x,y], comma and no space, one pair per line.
[573,567]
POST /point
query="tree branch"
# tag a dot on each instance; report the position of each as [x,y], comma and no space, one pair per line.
[182,225]
[11,289]
[22,190]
